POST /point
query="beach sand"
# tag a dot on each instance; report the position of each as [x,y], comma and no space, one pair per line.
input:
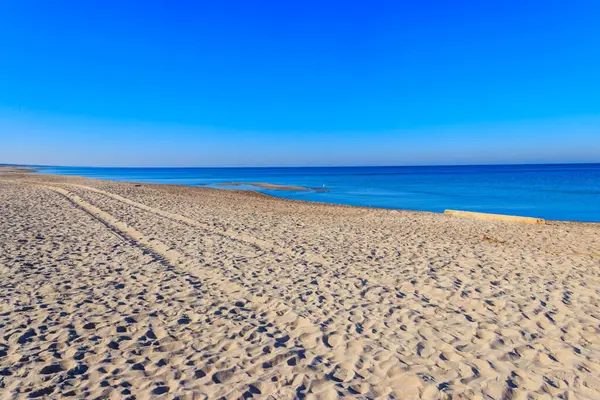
[112,289]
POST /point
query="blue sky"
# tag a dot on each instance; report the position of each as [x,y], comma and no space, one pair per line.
[299,83]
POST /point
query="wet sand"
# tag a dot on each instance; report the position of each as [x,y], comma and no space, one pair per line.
[261,185]
[112,289]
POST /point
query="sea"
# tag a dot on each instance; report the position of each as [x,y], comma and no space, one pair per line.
[550,191]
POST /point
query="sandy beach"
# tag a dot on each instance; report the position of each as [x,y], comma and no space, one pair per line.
[124,290]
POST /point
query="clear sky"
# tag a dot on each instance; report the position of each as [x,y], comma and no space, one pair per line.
[211,83]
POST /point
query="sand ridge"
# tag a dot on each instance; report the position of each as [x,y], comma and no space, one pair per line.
[116,289]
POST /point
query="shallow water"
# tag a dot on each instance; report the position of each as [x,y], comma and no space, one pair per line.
[557,191]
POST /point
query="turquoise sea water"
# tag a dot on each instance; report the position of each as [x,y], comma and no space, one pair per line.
[556,191]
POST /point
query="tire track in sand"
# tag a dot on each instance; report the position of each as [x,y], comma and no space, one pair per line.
[366,282]
[251,240]
[230,234]
[286,320]
[208,252]
[248,239]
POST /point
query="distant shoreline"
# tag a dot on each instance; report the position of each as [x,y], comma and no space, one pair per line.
[559,192]
[259,185]
[17,169]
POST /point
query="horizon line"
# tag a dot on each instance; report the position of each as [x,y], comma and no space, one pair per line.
[302,166]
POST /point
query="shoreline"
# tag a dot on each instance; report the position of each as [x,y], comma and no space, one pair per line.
[276,187]
[272,197]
